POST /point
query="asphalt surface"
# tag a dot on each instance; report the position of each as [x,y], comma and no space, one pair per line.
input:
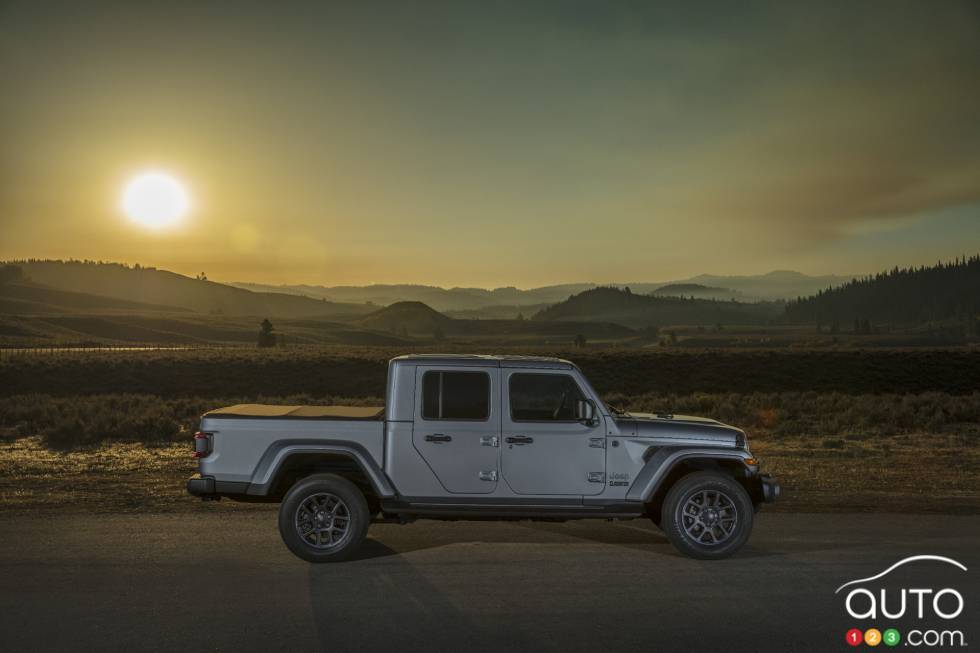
[222,580]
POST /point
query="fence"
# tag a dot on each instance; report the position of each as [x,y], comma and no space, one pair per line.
[54,349]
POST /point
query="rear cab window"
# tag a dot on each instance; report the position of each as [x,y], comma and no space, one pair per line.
[455,395]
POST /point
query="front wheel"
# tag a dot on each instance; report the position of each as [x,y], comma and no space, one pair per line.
[324,518]
[707,515]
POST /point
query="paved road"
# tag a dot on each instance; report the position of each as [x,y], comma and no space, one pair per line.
[222,580]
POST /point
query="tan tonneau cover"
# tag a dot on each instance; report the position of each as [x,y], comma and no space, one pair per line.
[308,412]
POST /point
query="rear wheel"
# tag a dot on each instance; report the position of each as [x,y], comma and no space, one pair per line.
[324,518]
[707,515]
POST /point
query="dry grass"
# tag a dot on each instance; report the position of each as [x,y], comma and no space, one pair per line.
[906,473]
[916,472]
[80,421]
[843,430]
[117,477]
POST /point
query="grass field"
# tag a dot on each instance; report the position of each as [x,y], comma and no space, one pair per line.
[71,422]
[843,430]
[356,372]
[832,452]
[915,472]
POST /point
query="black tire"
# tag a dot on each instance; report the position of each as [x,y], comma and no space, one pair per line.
[707,515]
[337,501]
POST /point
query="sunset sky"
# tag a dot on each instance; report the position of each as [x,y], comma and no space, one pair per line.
[494,143]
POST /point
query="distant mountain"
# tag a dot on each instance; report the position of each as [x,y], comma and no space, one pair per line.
[441,299]
[201,311]
[149,285]
[946,291]
[638,311]
[697,290]
[153,286]
[774,286]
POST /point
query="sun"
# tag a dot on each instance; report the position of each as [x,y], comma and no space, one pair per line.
[155,200]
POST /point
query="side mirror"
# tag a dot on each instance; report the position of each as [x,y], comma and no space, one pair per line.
[585,411]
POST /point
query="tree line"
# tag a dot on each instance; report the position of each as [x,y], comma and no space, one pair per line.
[947,291]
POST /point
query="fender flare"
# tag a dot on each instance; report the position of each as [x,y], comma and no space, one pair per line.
[272,460]
[665,459]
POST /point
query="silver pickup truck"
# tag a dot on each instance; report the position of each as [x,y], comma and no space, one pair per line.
[481,437]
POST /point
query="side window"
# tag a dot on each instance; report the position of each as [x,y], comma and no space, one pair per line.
[456,395]
[543,397]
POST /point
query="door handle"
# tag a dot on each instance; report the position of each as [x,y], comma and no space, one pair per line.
[438,437]
[518,439]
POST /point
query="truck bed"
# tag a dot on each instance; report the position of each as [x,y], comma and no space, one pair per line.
[249,440]
[266,411]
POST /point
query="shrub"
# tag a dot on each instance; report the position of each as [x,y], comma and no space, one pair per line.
[84,420]
[352,371]
[812,413]
[67,422]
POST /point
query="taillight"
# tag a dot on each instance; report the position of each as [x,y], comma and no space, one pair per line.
[202,444]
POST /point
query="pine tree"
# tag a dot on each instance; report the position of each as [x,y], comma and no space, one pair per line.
[267,337]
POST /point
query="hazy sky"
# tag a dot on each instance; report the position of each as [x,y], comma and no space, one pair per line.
[494,143]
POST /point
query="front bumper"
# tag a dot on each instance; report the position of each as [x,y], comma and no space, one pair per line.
[201,486]
[769,487]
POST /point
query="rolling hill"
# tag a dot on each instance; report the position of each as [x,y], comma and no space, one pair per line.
[32,314]
[151,286]
[415,319]
[501,312]
[638,311]
[28,298]
[191,329]
[408,318]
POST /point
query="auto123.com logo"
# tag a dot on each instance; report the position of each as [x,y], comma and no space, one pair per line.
[917,616]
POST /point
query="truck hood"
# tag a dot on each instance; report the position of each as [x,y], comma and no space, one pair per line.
[685,429]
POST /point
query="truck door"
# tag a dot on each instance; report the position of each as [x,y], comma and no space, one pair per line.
[457,426]
[545,450]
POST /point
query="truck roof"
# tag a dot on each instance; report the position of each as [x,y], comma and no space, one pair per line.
[492,360]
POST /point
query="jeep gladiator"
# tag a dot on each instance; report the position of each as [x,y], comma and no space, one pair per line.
[481,437]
